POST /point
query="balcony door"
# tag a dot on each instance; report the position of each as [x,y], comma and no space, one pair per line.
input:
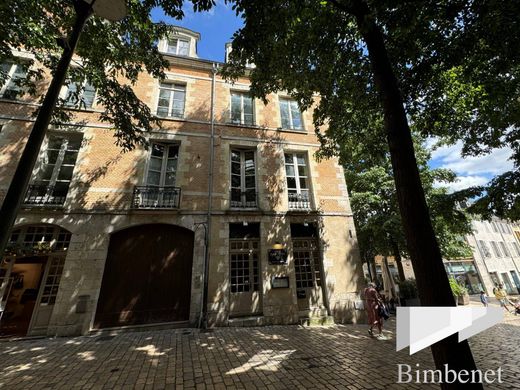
[244,265]
[243,179]
[53,174]
[160,190]
[307,267]
[297,181]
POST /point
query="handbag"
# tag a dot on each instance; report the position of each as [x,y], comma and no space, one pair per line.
[383,312]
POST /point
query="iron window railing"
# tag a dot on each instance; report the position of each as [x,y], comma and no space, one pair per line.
[243,199]
[151,197]
[299,201]
[44,194]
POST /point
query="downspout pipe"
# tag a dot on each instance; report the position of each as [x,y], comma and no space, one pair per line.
[210,199]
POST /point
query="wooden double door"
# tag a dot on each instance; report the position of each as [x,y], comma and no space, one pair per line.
[147,277]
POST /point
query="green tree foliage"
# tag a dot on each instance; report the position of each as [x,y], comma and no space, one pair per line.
[113,54]
[376,211]
[378,67]
[456,63]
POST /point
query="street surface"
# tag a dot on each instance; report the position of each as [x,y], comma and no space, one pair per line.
[274,357]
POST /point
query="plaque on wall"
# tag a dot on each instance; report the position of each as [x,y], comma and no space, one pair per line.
[280,282]
[277,256]
[301,294]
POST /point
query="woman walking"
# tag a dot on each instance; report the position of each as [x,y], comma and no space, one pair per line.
[373,304]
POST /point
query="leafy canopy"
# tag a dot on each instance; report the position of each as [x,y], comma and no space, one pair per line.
[113,54]
[374,204]
[456,61]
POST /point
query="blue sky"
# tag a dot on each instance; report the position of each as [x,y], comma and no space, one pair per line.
[471,171]
[216,27]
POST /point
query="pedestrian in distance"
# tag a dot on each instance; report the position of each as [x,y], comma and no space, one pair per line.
[501,296]
[483,298]
[517,308]
[374,304]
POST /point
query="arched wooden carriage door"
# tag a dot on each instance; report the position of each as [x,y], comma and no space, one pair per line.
[147,277]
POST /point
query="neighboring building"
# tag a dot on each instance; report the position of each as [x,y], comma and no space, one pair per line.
[466,274]
[516,231]
[463,270]
[107,239]
[497,254]
[392,267]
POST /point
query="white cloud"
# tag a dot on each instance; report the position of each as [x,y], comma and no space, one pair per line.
[471,171]
[494,163]
[465,182]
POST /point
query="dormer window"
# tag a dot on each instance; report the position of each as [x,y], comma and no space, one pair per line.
[180,42]
[180,47]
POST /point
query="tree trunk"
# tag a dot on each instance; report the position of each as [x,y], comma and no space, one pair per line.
[371,261]
[432,281]
[398,259]
[368,268]
[20,181]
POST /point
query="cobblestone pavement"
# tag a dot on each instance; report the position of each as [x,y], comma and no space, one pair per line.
[274,357]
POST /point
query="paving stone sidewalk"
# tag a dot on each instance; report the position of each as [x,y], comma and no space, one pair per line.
[274,357]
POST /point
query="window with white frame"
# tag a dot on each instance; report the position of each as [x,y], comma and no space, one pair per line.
[180,47]
[171,100]
[160,190]
[162,168]
[484,250]
[291,116]
[496,250]
[297,180]
[242,108]
[12,73]
[28,237]
[504,248]
[517,248]
[54,172]
[80,95]
[243,178]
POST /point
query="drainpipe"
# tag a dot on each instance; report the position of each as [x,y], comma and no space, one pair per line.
[204,310]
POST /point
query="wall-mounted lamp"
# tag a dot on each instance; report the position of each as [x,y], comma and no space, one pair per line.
[245,223]
[305,223]
[277,245]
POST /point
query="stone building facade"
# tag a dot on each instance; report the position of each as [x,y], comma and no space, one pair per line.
[108,239]
[496,251]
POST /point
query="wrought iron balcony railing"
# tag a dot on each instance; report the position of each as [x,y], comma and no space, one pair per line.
[44,194]
[299,201]
[243,199]
[151,197]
